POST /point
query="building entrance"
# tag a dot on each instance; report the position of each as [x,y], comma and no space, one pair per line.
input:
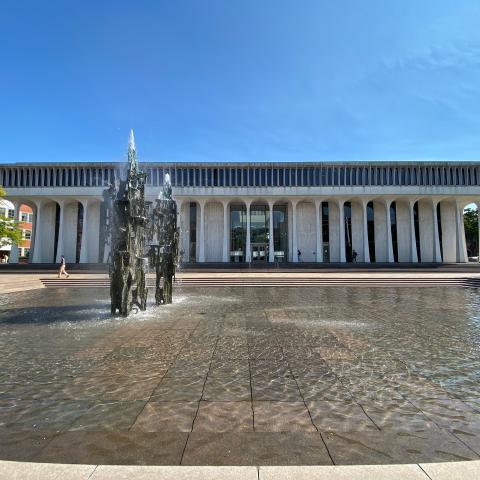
[259,252]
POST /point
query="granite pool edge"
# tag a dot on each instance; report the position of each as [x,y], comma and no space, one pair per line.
[424,471]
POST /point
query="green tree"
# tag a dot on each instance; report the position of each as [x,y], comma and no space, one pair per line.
[470,219]
[9,229]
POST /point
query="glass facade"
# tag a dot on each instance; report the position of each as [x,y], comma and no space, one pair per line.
[325,232]
[238,233]
[393,226]
[347,210]
[280,233]
[259,231]
[371,231]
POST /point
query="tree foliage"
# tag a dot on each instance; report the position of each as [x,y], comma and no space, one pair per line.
[10,231]
[470,219]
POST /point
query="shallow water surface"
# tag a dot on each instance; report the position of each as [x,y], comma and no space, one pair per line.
[242,376]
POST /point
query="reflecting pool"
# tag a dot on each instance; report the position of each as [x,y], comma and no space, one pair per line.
[236,376]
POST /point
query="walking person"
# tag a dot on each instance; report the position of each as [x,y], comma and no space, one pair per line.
[354,256]
[62,270]
[299,255]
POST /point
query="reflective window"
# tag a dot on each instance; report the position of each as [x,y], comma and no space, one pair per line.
[259,223]
[280,233]
[325,232]
[238,230]
[323,176]
[293,177]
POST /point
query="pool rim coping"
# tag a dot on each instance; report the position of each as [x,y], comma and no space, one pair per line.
[434,471]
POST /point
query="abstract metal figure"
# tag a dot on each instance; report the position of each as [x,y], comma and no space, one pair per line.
[163,254]
[127,223]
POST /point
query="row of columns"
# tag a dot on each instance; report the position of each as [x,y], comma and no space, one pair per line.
[386,204]
[226,231]
[90,230]
[43,231]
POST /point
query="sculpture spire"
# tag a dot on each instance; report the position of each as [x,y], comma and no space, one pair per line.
[131,142]
[132,153]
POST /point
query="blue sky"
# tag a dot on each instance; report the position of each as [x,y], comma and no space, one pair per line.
[240,80]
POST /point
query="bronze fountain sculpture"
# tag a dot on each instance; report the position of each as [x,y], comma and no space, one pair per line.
[163,254]
[130,222]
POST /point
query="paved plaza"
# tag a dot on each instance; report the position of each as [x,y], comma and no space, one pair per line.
[242,376]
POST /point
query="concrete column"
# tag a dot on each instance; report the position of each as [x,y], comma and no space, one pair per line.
[460,235]
[449,241]
[403,231]
[388,220]
[271,247]
[366,250]
[341,216]
[318,231]
[93,231]
[226,233]
[32,237]
[426,227]
[13,257]
[357,229]
[37,251]
[61,234]
[179,226]
[70,231]
[201,251]
[85,227]
[413,242]
[294,233]
[248,248]
[437,254]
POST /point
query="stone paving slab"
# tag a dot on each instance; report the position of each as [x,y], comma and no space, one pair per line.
[175,473]
[44,471]
[362,472]
[53,471]
[452,470]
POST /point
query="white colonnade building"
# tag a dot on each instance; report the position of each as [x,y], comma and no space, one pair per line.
[385,212]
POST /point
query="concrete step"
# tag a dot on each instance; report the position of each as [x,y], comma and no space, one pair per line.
[280,282]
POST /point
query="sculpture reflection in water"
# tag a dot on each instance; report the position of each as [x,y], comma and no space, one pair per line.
[130,222]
